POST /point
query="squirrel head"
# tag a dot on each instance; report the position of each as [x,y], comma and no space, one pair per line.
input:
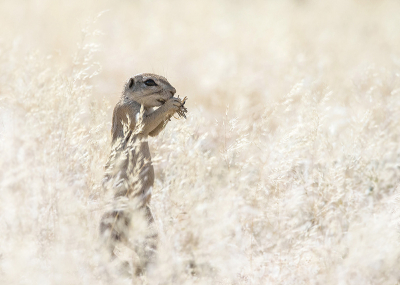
[149,90]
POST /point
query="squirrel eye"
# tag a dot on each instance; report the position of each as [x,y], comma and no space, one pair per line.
[150,82]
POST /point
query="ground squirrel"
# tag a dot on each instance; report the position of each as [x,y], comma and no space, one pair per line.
[129,172]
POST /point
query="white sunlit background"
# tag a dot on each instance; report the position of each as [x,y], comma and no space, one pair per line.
[286,170]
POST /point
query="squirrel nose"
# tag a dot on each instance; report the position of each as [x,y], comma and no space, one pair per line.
[172,91]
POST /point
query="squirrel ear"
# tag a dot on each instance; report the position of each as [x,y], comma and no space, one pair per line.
[131,83]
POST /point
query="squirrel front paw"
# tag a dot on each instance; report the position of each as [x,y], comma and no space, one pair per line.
[172,105]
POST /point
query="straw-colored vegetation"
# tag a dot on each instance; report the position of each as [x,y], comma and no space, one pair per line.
[286,170]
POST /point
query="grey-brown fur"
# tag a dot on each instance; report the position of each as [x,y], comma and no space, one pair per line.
[129,172]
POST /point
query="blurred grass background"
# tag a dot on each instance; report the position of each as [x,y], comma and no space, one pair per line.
[286,171]
[262,47]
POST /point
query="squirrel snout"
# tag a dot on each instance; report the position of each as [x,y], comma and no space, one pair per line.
[172,91]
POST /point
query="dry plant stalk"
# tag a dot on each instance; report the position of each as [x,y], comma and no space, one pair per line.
[183,110]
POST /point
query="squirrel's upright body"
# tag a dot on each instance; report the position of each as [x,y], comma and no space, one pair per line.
[129,172]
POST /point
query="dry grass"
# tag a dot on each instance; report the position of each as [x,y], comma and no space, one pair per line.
[296,182]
